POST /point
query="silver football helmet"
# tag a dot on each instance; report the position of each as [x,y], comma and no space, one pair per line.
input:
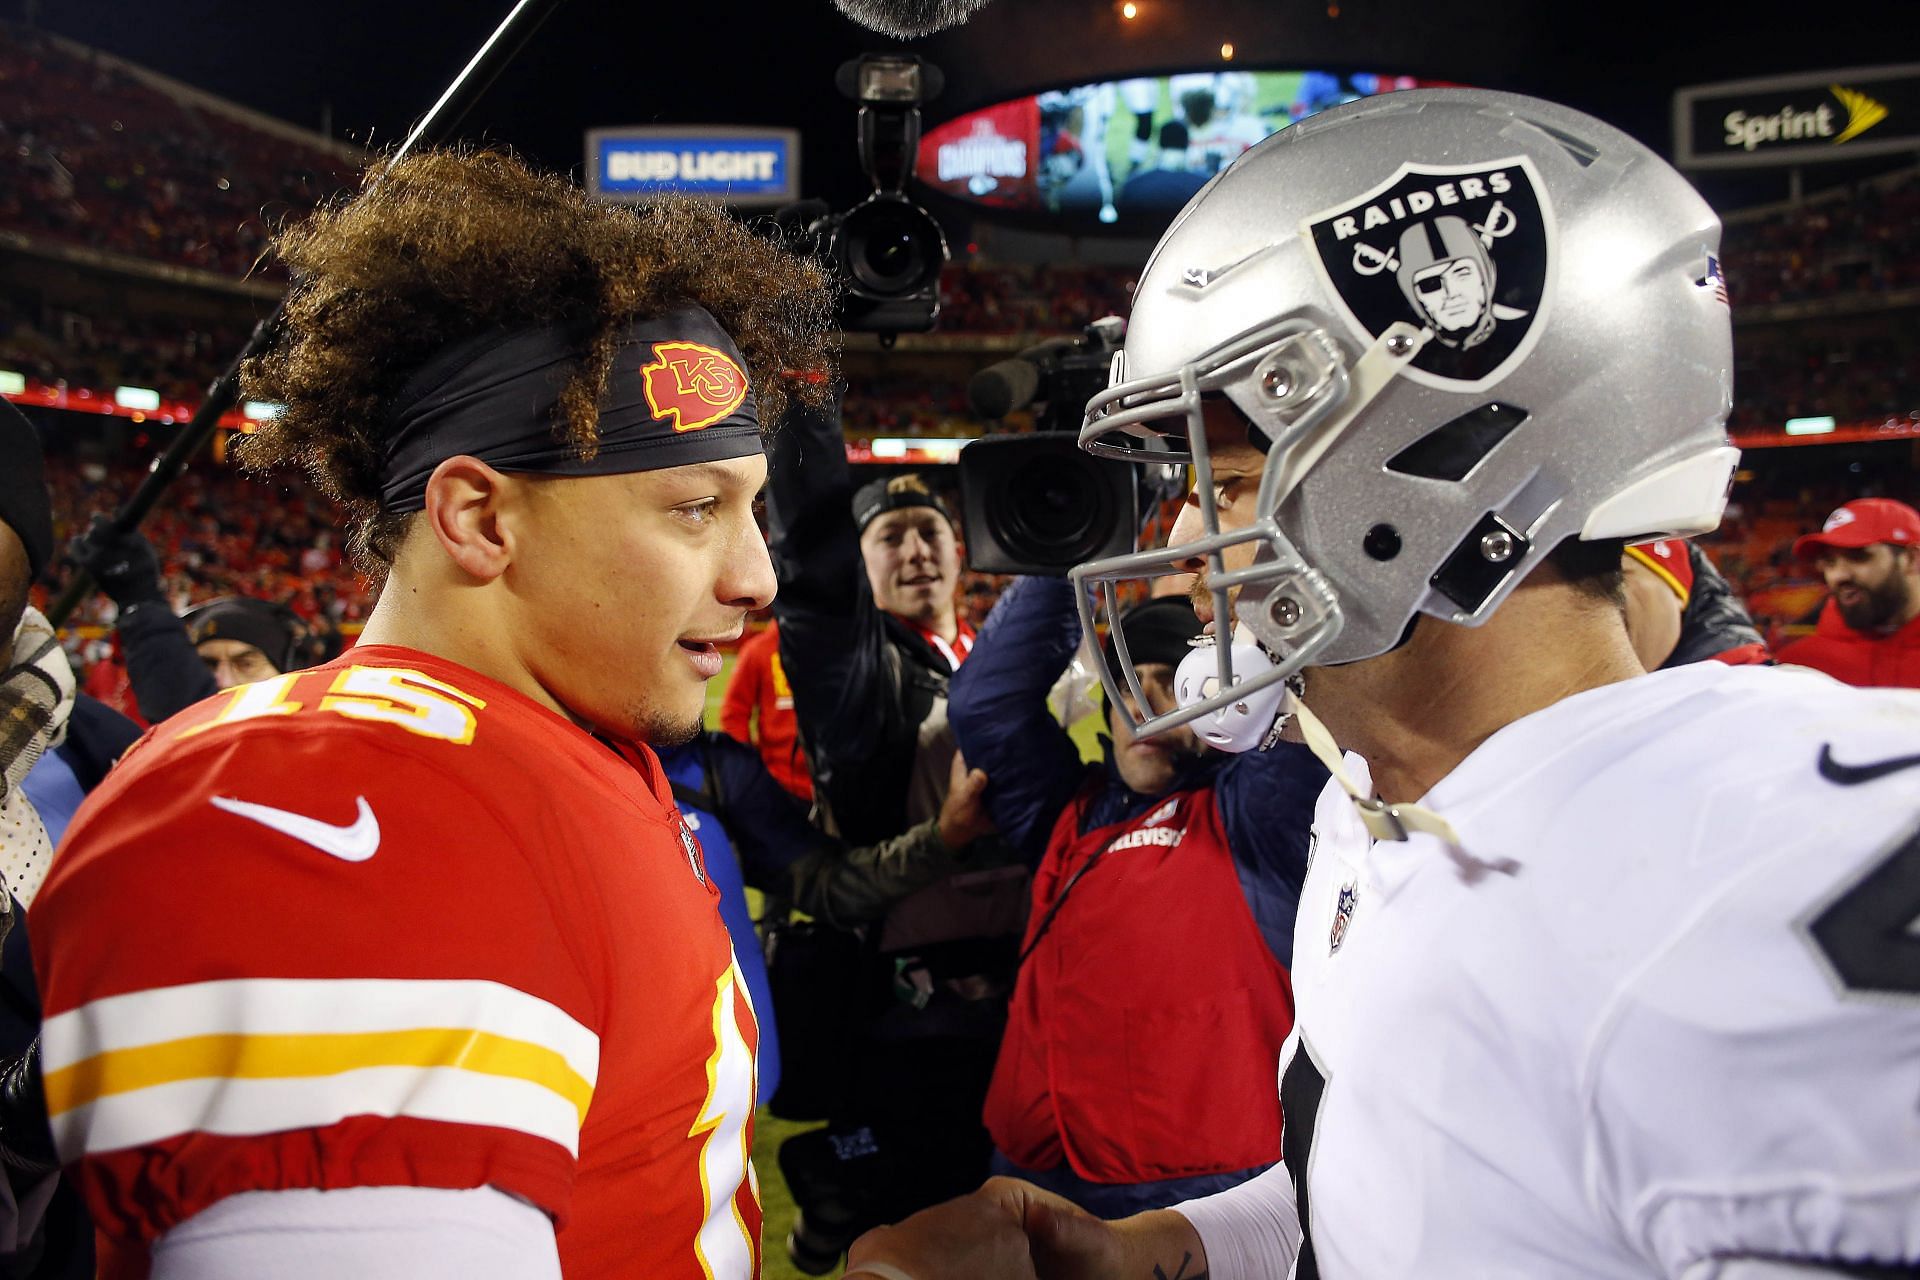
[1465,326]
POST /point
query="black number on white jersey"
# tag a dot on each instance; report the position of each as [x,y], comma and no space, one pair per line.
[1302,1087]
[1868,932]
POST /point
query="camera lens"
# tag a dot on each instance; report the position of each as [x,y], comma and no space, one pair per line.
[1056,509]
[891,247]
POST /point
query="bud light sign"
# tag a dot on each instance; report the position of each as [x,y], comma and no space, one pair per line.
[727,165]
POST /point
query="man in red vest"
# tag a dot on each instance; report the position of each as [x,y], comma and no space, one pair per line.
[1869,632]
[1153,985]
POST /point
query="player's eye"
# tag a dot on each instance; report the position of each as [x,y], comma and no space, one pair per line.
[701,512]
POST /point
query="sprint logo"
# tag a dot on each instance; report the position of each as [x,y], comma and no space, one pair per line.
[1797,123]
[1862,112]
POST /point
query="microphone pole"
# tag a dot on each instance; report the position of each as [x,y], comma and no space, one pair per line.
[436,126]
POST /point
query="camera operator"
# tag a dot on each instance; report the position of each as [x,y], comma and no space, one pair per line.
[1162,839]
[869,638]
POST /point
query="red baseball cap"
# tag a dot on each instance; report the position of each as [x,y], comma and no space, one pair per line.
[1861,523]
[1669,561]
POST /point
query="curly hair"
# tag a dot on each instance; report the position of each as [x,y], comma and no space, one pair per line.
[444,245]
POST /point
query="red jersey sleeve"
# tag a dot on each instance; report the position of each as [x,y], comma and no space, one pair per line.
[317,954]
[743,691]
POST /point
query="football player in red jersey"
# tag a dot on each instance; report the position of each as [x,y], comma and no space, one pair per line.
[406,965]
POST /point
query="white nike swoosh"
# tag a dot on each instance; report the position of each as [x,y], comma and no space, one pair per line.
[355,842]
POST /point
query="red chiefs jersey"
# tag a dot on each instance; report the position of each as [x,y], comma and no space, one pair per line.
[389,922]
[759,684]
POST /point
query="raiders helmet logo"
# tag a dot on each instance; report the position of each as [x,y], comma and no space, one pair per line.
[1463,251]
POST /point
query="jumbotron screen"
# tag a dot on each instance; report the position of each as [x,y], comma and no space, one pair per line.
[1127,148]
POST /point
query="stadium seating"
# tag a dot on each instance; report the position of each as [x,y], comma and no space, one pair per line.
[92,155]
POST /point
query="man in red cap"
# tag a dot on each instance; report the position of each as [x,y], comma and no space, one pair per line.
[1867,634]
[1680,610]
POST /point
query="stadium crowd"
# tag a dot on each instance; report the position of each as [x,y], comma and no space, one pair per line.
[94,155]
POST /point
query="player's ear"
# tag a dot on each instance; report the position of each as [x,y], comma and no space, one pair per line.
[464,501]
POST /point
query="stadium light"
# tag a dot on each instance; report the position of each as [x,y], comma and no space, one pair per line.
[1129,10]
[934,449]
[11,383]
[1810,426]
[1226,52]
[136,398]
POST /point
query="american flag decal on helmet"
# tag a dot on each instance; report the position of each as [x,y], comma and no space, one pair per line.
[1716,280]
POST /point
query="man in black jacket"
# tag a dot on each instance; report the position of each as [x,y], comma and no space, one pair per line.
[869,640]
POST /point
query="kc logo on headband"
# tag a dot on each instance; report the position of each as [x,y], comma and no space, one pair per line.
[692,385]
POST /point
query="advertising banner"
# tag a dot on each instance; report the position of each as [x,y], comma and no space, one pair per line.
[722,163]
[1798,119]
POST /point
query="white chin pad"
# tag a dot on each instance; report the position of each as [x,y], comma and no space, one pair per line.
[1243,725]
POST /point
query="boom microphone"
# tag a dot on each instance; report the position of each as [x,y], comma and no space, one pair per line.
[1018,381]
[999,389]
[437,125]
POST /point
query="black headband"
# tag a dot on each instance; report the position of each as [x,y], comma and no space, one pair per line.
[677,394]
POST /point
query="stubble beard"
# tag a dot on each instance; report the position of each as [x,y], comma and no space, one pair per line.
[1885,605]
[662,728]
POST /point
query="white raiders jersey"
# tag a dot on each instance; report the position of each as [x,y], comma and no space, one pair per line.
[1661,1012]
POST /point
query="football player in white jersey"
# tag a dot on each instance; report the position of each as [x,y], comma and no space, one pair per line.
[1598,973]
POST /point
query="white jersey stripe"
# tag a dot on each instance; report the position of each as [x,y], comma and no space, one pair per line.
[239,1108]
[297,1006]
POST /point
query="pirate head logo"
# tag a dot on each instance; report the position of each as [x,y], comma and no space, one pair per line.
[1343,914]
[1462,251]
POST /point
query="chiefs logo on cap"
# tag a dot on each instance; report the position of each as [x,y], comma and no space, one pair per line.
[692,385]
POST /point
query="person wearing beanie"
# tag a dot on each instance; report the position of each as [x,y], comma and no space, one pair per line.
[1680,610]
[240,639]
[1163,838]
[1869,629]
[174,662]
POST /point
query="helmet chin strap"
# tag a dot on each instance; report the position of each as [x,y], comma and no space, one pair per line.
[1256,723]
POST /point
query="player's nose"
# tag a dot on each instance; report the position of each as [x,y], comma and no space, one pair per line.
[747,576]
[1188,526]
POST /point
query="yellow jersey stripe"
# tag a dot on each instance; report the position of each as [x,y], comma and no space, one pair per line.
[262,1057]
[269,1007]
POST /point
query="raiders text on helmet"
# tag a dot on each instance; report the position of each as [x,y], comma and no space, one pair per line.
[1466,326]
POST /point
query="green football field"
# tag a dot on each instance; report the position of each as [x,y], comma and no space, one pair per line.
[768,1134]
